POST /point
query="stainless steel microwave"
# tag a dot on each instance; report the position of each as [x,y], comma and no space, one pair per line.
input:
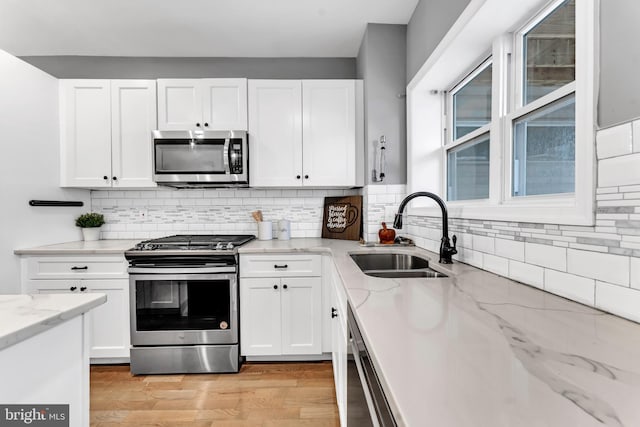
[200,158]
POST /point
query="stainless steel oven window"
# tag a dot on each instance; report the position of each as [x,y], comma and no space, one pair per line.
[168,309]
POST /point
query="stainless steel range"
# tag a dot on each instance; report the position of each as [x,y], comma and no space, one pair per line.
[184,304]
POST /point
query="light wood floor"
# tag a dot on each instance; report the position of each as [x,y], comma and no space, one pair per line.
[262,394]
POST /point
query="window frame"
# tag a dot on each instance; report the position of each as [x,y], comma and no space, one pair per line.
[449,113]
[475,31]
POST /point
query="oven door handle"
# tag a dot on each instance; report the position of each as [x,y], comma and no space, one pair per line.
[181,270]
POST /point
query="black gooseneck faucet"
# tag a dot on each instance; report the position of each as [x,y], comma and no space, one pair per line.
[446,250]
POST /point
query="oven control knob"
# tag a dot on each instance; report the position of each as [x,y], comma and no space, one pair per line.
[229,246]
[219,246]
[148,247]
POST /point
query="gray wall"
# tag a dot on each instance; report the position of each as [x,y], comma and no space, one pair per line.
[118,67]
[619,99]
[381,63]
[429,23]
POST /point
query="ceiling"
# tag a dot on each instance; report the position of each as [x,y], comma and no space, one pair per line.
[194,28]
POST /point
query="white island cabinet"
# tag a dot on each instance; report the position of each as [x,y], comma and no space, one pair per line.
[44,352]
[306,133]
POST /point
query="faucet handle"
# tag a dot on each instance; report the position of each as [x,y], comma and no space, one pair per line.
[453,249]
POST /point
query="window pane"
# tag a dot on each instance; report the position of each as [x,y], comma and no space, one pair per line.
[550,52]
[544,150]
[472,104]
[468,170]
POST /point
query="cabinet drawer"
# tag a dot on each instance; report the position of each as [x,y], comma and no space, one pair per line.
[107,267]
[299,265]
[70,285]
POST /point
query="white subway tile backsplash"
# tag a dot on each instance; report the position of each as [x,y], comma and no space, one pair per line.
[570,286]
[469,256]
[484,244]
[635,273]
[510,249]
[600,266]
[622,301]
[495,264]
[623,170]
[606,190]
[546,256]
[526,273]
[614,141]
[636,136]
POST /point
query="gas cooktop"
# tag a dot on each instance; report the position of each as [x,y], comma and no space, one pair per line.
[185,243]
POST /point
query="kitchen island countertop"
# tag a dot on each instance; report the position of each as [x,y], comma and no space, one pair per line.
[25,315]
[477,349]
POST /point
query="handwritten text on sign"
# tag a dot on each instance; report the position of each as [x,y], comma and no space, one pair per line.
[337,217]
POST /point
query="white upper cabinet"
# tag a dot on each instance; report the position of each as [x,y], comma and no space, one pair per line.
[275,133]
[329,132]
[106,133]
[306,133]
[208,104]
[85,133]
[179,104]
[133,117]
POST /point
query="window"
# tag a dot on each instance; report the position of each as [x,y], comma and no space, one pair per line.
[512,140]
[468,152]
[543,154]
[468,170]
[549,50]
[472,103]
[544,150]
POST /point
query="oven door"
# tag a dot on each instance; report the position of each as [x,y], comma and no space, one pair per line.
[183,309]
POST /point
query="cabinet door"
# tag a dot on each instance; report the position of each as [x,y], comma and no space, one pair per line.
[133,117]
[260,317]
[110,333]
[85,133]
[329,132]
[179,104]
[339,344]
[224,104]
[275,133]
[301,315]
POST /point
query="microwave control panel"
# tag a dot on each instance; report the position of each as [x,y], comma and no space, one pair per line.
[235,163]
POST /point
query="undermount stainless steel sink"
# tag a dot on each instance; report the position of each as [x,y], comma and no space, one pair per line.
[395,265]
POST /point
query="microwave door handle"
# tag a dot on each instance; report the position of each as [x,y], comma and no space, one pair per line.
[225,156]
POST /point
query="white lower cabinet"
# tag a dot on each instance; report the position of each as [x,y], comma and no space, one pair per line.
[109,323]
[339,342]
[280,315]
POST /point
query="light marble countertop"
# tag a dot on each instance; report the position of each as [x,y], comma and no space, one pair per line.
[23,316]
[81,248]
[476,349]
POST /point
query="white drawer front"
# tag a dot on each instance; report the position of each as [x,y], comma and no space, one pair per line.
[299,265]
[77,267]
[77,285]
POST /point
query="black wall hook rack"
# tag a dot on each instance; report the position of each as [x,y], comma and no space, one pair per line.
[54,203]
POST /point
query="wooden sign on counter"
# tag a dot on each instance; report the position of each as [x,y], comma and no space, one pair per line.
[342,218]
